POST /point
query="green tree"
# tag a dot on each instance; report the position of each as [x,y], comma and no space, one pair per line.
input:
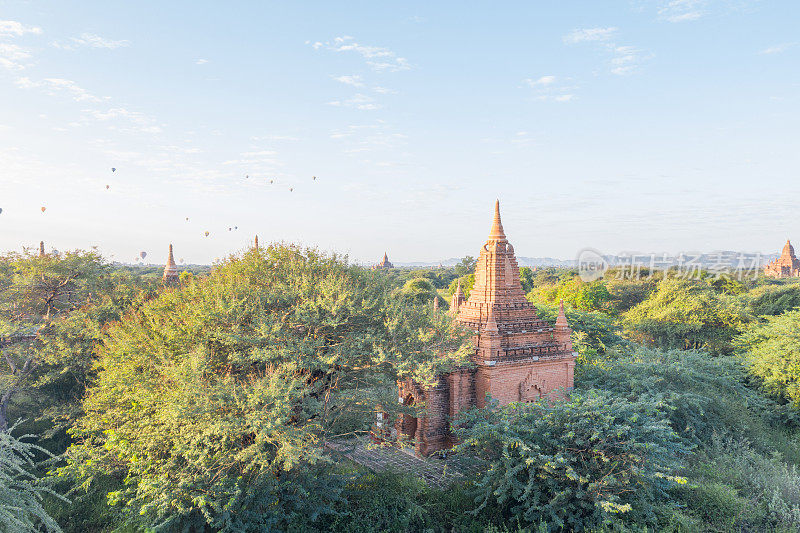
[773,299]
[466,266]
[526,278]
[687,315]
[34,291]
[21,492]
[772,352]
[213,402]
[574,465]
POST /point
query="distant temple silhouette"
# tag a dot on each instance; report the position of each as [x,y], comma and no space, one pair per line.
[384,263]
[518,356]
[786,266]
[171,274]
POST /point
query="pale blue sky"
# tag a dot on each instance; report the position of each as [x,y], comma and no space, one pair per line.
[649,125]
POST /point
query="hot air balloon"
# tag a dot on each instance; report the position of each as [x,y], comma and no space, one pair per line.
[236,227]
[108,187]
[181,259]
[113,169]
[271,181]
[313,177]
[246,176]
[44,209]
[206,234]
[291,189]
[229,229]
[142,254]
[187,219]
[1,209]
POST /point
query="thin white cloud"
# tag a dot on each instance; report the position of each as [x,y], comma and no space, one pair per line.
[380,59]
[682,10]
[623,59]
[12,28]
[777,49]
[355,81]
[358,101]
[91,40]
[590,34]
[544,80]
[11,56]
[201,62]
[58,86]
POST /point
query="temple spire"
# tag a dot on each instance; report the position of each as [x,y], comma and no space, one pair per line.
[41,248]
[171,274]
[256,243]
[496,233]
[561,321]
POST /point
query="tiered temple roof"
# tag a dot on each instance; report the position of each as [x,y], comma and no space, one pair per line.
[497,302]
[785,266]
[171,274]
[384,262]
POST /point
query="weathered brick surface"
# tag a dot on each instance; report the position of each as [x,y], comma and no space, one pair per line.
[518,356]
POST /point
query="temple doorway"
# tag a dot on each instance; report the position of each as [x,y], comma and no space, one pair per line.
[408,423]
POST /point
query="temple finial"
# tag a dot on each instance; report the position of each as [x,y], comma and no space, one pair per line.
[561,321]
[171,274]
[496,232]
[41,248]
[256,243]
[491,323]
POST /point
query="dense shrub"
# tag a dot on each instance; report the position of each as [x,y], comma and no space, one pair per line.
[702,394]
[773,299]
[687,314]
[576,465]
[772,351]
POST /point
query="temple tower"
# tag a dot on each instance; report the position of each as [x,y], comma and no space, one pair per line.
[384,264]
[785,266]
[41,249]
[171,274]
[457,299]
[519,356]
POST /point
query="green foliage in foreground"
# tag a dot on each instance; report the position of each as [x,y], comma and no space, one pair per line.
[597,459]
[773,299]
[21,492]
[593,332]
[772,351]
[212,401]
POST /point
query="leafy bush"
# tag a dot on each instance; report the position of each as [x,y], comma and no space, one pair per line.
[687,315]
[772,351]
[702,394]
[574,465]
[21,492]
[773,299]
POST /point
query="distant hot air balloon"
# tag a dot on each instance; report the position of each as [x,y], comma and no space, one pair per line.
[113,169]
[181,259]
[44,209]
[206,234]
[187,219]
[247,176]
[142,254]
[108,187]
[229,229]
[1,209]
[313,177]
[291,189]
[235,227]
[272,181]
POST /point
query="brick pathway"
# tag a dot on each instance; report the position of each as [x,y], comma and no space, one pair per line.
[436,472]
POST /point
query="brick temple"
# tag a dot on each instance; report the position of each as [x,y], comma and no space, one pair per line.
[786,266]
[171,274]
[384,264]
[518,356]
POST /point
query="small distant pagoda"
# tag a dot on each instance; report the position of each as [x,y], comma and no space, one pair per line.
[171,274]
[384,264]
[786,266]
[41,249]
